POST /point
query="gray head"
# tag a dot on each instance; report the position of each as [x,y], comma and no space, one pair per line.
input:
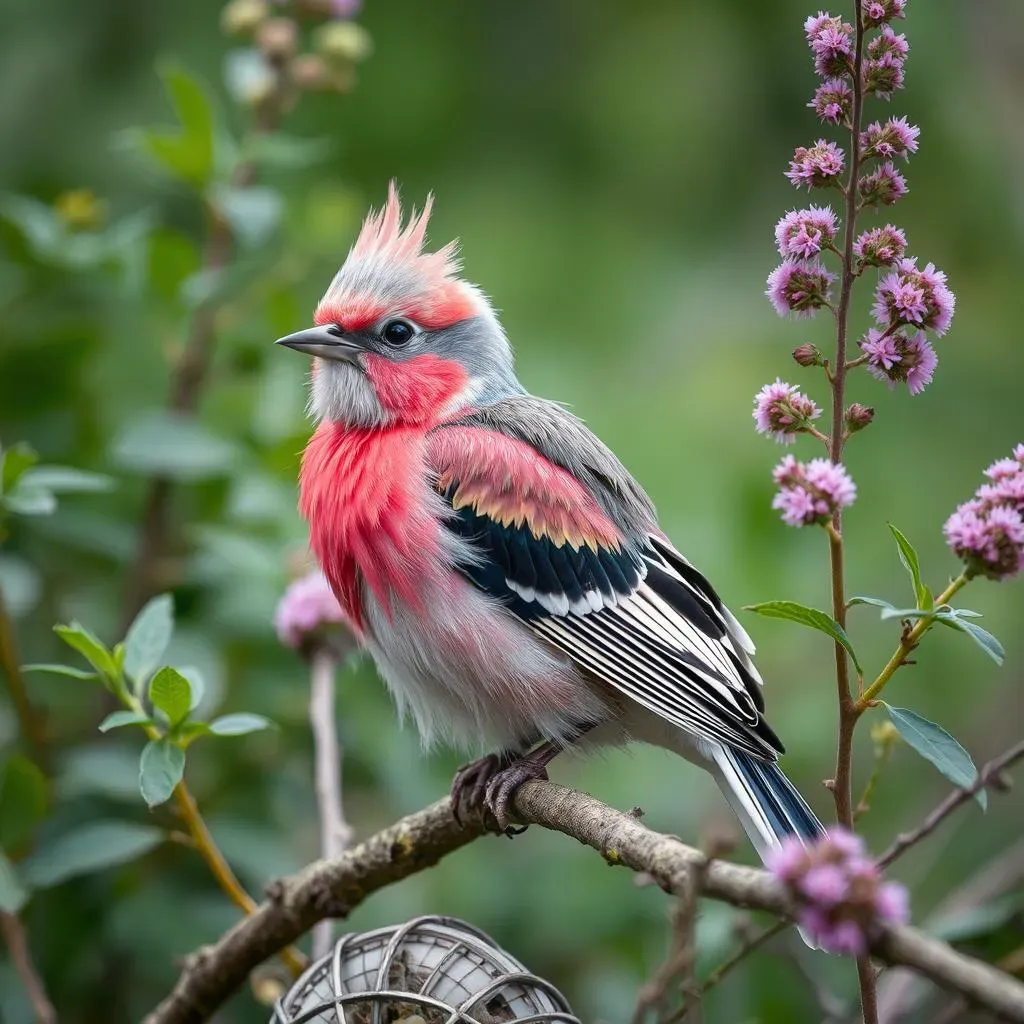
[399,337]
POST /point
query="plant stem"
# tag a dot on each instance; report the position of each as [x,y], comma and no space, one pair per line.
[907,644]
[14,935]
[29,722]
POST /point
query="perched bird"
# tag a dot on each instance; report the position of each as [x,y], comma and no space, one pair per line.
[503,568]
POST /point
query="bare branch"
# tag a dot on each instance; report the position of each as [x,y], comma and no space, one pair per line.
[988,775]
[334,888]
[17,944]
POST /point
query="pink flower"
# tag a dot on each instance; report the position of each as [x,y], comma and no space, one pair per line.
[883,68]
[804,233]
[782,411]
[799,287]
[832,101]
[913,296]
[882,187]
[815,166]
[831,42]
[305,609]
[897,137]
[810,492]
[900,358]
[990,541]
[880,247]
[878,12]
[842,901]
[345,8]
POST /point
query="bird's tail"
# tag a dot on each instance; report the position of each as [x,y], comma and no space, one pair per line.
[766,802]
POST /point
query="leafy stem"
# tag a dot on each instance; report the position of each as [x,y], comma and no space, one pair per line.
[30,724]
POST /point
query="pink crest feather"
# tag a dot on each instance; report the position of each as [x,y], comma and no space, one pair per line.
[387,271]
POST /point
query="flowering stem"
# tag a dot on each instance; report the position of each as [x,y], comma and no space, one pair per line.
[907,644]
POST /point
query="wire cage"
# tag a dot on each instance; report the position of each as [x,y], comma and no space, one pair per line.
[434,970]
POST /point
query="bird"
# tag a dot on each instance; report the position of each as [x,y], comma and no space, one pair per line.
[501,565]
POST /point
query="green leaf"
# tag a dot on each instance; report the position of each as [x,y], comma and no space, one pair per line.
[253,213]
[188,732]
[908,556]
[908,613]
[934,744]
[875,602]
[160,769]
[38,223]
[90,847]
[26,500]
[982,637]
[171,692]
[239,724]
[62,670]
[173,445]
[78,637]
[196,684]
[807,617]
[12,894]
[14,461]
[280,151]
[117,719]
[148,637]
[24,801]
[67,480]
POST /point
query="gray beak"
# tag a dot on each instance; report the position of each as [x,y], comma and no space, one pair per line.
[326,342]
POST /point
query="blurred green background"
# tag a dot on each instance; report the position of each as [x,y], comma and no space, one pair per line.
[614,172]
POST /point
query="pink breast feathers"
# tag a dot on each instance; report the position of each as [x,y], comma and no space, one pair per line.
[365,495]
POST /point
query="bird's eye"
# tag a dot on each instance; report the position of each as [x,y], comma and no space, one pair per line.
[397,332]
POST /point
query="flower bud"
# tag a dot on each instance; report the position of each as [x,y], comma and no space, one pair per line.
[858,417]
[243,17]
[883,734]
[342,43]
[278,39]
[308,72]
[807,355]
[80,210]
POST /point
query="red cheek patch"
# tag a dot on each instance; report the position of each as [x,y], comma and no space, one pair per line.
[415,390]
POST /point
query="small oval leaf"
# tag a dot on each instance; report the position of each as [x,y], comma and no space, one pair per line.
[160,769]
[934,744]
[148,637]
[117,719]
[80,639]
[807,617]
[62,670]
[982,637]
[908,556]
[239,724]
[171,692]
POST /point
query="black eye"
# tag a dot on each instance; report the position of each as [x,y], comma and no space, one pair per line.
[397,332]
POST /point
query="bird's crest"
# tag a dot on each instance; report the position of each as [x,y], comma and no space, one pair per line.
[387,271]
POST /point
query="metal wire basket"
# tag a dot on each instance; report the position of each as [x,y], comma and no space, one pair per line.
[432,970]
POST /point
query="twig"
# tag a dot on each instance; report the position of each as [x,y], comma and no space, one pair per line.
[335,832]
[334,888]
[143,578]
[29,722]
[17,943]
[988,774]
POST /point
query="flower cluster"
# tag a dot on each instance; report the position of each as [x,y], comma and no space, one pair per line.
[987,532]
[843,900]
[804,233]
[800,287]
[883,186]
[897,137]
[880,247]
[878,13]
[883,68]
[307,611]
[782,411]
[900,357]
[831,43]
[908,295]
[815,166]
[832,101]
[811,492]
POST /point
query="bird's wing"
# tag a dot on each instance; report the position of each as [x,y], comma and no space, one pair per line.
[562,534]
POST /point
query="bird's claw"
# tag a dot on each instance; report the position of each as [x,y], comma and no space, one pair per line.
[502,788]
[469,787]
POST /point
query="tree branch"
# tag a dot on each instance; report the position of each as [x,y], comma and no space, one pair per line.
[988,774]
[29,722]
[334,888]
[17,944]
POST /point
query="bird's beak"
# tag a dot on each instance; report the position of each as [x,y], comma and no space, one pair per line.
[326,342]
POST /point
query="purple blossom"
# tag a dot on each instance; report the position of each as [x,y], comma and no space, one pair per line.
[782,411]
[832,101]
[883,68]
[842,899]
[810,492]
[815,166]
[305,609]
[882,187]
[877,12]
[880,247]
[831,42]
[900,358]
[804,233]
[799,287]
[991,542]
[912,296]
[897,137]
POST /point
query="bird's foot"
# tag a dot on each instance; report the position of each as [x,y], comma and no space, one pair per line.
[502,788]
[469,787]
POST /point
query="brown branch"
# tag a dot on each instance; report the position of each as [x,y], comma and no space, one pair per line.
[988,775]
[29,723]
[17,944]
[334,888]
